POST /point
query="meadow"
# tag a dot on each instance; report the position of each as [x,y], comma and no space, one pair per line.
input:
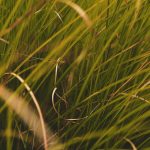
[74,74]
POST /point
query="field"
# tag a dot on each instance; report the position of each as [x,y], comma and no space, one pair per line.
[74,74]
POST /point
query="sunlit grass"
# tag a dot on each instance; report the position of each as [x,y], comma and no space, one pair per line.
[82,66]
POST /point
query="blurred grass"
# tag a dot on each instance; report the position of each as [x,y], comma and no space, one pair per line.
[96,53]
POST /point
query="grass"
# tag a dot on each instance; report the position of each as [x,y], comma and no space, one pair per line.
[74,74]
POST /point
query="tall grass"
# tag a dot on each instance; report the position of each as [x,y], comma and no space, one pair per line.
[82,66]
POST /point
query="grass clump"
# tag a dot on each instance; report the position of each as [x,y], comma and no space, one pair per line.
[82,66]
